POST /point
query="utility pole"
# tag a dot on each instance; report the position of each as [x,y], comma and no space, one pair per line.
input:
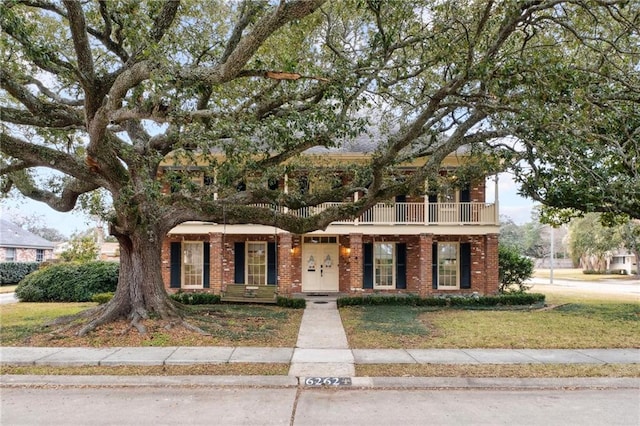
[551,258]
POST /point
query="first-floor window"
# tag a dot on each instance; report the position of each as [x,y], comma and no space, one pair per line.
[256,263]
[192,263]
[383,264]
[39,255]
[448,276]
[10,254]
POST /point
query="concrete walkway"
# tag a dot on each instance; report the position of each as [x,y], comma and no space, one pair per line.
[321,351]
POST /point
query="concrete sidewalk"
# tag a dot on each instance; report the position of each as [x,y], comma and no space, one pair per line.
[70,357]
[321,351]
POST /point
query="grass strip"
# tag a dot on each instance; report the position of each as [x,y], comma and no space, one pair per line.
[234,369]
[498,370]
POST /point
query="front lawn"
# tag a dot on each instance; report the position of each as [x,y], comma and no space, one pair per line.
[22,324]
[582,324]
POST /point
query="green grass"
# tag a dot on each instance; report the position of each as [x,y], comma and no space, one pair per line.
[227,325]
[583,324]
[394,319]
[19,321]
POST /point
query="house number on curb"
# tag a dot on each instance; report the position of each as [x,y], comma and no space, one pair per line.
[327,381]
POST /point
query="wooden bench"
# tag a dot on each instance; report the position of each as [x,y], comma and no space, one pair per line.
[250,293]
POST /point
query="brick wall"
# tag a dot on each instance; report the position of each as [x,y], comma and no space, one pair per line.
[484,261]
[26,254]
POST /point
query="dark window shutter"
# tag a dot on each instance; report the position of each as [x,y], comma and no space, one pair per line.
[465,209]
[434,265]
[238,260]
[175,265]
[206,265]
[465,265]
[465,195]
[271,263]
[432,214]
[401,210]
[401,266]
[367,273]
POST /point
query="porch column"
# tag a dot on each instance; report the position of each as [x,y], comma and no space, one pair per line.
[215,262]
[285,263]
[425,278]
[496,202]
[356,262]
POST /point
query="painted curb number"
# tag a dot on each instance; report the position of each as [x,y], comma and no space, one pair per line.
[327,381]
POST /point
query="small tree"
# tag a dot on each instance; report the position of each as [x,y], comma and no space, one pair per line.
[82,249]
[514,270]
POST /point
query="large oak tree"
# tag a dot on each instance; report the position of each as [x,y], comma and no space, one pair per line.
[104,92]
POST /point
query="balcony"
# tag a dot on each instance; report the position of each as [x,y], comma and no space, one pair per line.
[472,213]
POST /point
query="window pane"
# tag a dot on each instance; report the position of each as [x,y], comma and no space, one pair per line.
[10,254]
[448,265]
[192,263]
[383,264]
[256,263]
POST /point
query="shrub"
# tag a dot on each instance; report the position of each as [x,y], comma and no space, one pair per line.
[196,298]
[14,272]
[514,270]
[508,299]
[102,298]
[290,302]
[68,282]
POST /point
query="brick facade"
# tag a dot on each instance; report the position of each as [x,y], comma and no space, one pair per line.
[419,275]
[25,254]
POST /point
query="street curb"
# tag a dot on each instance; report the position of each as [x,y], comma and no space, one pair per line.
[292,381]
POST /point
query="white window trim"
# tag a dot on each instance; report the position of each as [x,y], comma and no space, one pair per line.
[376,286]
[457,286]
[183,269]
[266,261]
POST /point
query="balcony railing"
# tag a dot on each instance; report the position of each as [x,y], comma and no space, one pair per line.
[414,214]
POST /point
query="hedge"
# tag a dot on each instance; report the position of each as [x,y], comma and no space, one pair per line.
[69,282]
[196,298]
[290,302]
[14,272]
[509,299]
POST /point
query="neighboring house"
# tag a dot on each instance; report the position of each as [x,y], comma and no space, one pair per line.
[437,244]
[19,245]
[110,251]
[622,262]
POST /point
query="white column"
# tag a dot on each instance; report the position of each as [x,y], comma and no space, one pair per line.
[496,202]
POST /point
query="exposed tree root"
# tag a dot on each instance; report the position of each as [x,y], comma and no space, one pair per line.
[95,317]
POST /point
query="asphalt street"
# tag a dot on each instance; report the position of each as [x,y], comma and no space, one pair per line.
[307,406]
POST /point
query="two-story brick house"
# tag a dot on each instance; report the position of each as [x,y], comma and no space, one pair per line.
[432,244]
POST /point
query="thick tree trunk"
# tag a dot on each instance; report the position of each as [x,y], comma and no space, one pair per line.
[140,290]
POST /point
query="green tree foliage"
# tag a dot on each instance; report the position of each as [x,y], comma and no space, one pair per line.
[104,93]
[629,232]
[514,270]
[579,143]
[590,242]
[81,249]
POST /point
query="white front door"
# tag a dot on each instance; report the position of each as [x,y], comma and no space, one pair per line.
[320,267]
